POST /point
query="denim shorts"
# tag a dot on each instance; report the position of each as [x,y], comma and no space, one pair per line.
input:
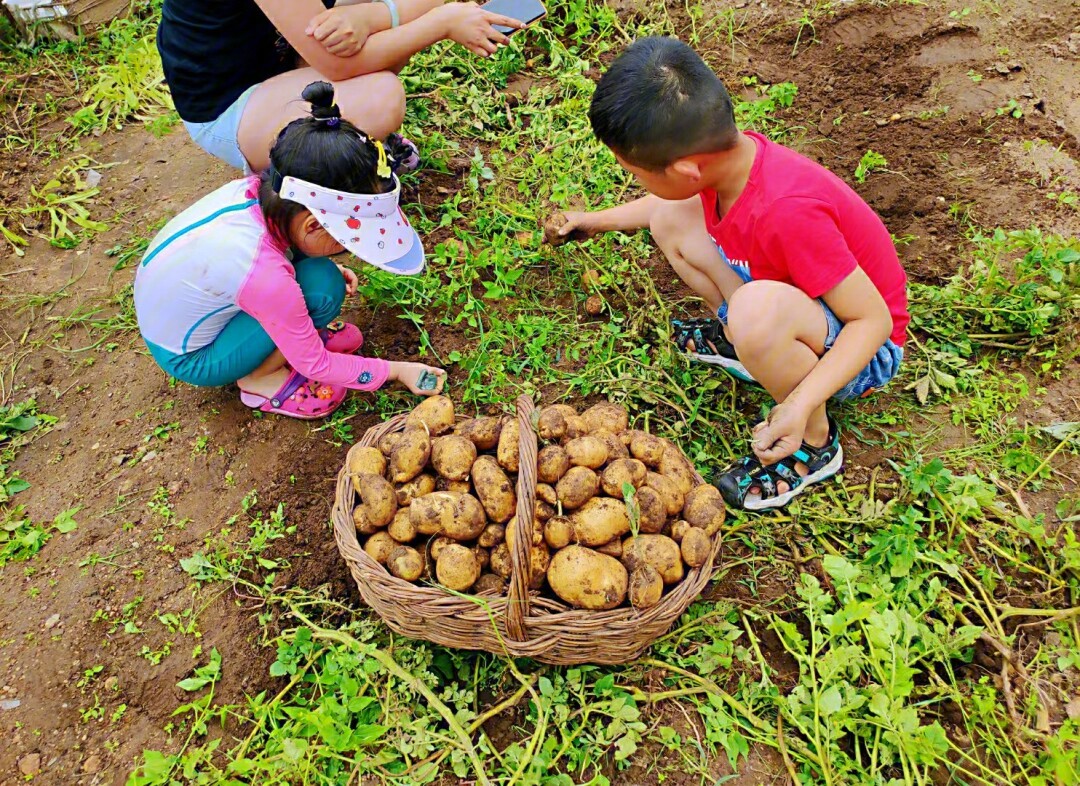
[878,372]
[219,137]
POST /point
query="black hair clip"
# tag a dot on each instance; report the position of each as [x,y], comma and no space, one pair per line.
[276,178]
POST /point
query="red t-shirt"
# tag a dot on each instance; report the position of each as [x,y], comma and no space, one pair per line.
[798,223]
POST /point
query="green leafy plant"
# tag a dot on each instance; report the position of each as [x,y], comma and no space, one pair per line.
[869,162]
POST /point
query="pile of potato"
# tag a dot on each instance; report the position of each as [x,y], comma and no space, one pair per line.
[618,513]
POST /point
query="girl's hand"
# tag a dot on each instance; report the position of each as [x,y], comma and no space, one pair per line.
[342,31]
[472,27]
[351,281]
[408,374]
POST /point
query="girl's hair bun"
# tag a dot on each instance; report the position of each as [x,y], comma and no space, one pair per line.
[321,97]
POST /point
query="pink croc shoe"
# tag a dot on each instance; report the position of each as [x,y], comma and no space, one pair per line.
[343,337]
[299,398]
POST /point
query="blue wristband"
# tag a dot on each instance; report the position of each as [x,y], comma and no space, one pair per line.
[391,6]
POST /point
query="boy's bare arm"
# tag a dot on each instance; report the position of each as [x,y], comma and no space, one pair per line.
[627,217]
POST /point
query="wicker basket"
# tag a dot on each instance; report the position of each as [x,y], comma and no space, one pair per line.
[521,623]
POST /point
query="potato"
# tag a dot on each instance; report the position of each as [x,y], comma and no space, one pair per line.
[551,464]
[494,489]
[422,484]
[612,549]
[659,551]
[456,486]
[483,557]
[668,490]
[648,448]
[575,427]
[406,563]
[651,512]
[587,579]
[433,513]
[608,416]
[379,546]
[678,530]
[576,487]
[482,432]
[543,511]
[410,454]
[489,584]
[366,461]
[501,564]
[378,498]
[628,436]
[704,510]
[600,520]
[436,546]
[565,410]
[456,567]
[719,516]
[509,442]
[703,495]
[492,536]
[539,562]
[362,522]
[620,472]
[675,465]
[615,448]
[389,442]
[401,528]
[436,412]
[646,587]
[468,520]
[452,456]
[695,547]
[546,493]
[551,424]
[536,535]
[587,452]
[558,532]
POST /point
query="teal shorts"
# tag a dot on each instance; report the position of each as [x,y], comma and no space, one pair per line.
[243,345]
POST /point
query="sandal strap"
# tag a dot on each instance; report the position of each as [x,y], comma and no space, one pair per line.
[703,331]
[292,384]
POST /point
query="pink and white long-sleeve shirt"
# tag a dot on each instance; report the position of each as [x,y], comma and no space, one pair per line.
[218,258]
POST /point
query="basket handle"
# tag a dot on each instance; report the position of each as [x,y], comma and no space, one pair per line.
[517,606]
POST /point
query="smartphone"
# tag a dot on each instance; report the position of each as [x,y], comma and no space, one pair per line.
[528,11]
[427,381]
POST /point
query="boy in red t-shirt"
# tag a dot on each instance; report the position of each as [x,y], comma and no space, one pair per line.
[809,296]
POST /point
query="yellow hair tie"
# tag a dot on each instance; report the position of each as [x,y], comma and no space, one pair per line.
[383,166]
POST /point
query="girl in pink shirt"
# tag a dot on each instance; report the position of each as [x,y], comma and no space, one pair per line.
[239,287]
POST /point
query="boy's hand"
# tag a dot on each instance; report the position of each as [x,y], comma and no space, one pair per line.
[472,27]
[570,225]
[780,435]
[408,374]
[342,31]
[351,281]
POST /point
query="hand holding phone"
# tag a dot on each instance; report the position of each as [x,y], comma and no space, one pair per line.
[525,11]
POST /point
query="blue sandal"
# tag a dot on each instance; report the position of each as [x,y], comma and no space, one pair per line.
[736,483]
[710,345]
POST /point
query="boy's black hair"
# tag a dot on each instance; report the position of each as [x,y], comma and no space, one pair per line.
[325,150]
[659,102]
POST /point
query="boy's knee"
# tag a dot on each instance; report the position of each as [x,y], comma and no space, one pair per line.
[756,313]
[379,99]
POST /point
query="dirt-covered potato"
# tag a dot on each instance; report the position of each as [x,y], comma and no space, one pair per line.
[406,563]
[379,546]
[546,493]
[452,456]
[551,424]
[433,513]
[436,546]
[389,442]
[586,579]
[509,442]
[615,447]
[366,461]
[675,465]
[703,495]
[456,567]
[647,448]
[543,511]
[646,587]
[678,530]
[652,515]
[410,454]
[482,432]
[483,557]
[558,532]
[612,549]
[456,486]
[362,522]
[501,564]
[468,520]
[587,452]
[695,547]
[401,528]
[659,551]
[494,489]
[422,484]
[551,464]
[539,561]
[705,510]
[575,427]
[620,472]
[600,520]
[565,410]
[436,412]
[378,498]
[576,487]
[608,416]
[629,435]
[668,490]
[489,584]
[492,536]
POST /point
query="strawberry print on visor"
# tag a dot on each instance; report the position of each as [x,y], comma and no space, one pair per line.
[371,226]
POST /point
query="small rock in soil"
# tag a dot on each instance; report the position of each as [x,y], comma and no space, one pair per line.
[92,764]
[51,621]
[30,765]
